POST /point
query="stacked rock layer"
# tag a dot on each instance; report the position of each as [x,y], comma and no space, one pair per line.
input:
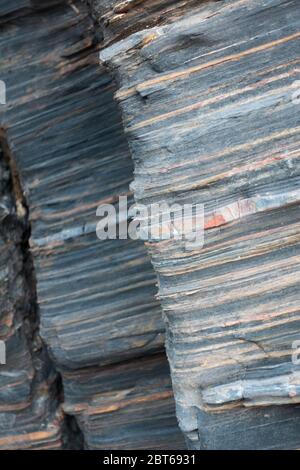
[98,376]
[209,102]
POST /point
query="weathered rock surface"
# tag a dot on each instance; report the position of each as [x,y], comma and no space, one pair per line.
[117,19]
[29,387]
[206,92]
[125,406]
[207,103]
[96,311]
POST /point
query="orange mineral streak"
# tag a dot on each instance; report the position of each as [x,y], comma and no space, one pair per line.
[132,401]
[29,437]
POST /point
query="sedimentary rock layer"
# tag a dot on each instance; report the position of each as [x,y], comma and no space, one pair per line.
[96,299]
[118,19]
[80,160]
[30,415]
[125,406]
[209,112]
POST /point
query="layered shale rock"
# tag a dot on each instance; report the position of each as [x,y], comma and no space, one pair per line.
[206,90]
[97,312]
[30,416]
[117,19]
[207,102]
[125,406]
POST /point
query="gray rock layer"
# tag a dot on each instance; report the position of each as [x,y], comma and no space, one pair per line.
[209,111]
[98,378]
[208,94]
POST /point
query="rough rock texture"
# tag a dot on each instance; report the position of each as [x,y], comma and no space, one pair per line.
[205,89]
[30,416]
[118,19]
[125,406]
[94,301]
[207,106]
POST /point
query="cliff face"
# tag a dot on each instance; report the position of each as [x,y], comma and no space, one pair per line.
[208,112]
[83,330]
[206,91]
